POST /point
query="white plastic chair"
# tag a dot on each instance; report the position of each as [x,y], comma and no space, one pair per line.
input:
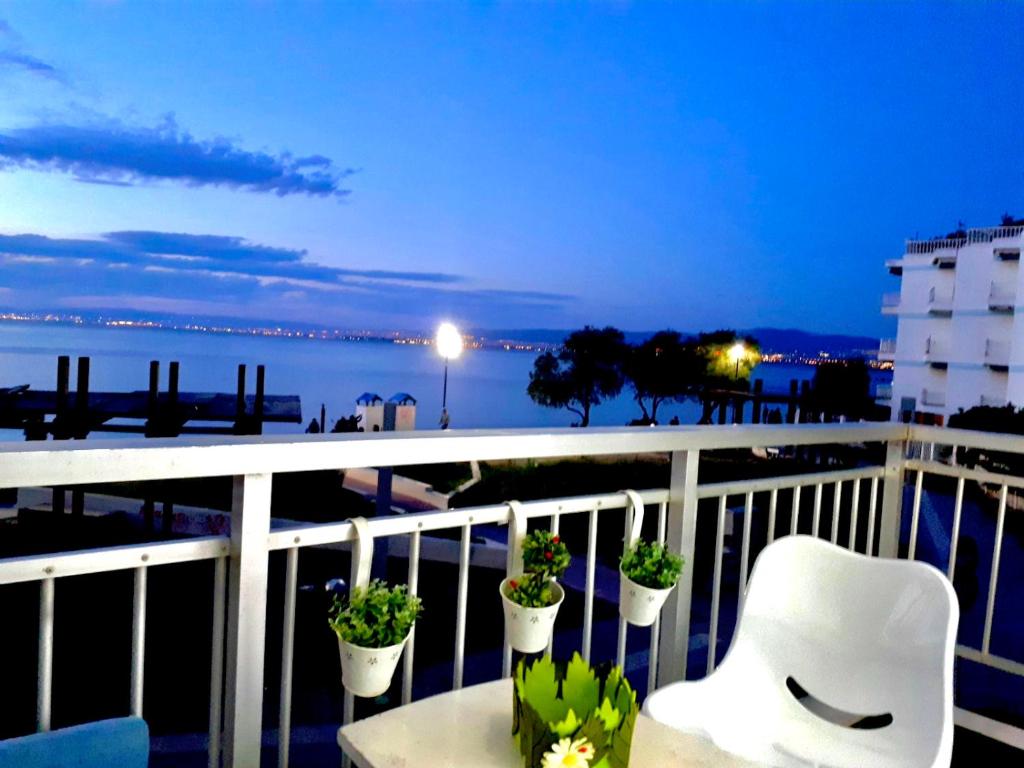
[867,641]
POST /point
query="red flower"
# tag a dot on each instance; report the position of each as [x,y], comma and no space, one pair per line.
[548,555]
[555,539]
[514,584]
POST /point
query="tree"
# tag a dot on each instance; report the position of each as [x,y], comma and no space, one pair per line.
[843,386]
[663,368]
[584,372]
[726,369]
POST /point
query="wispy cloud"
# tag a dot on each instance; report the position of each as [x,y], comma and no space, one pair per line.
[24,62]
[12,59]
[110,151]
[179,273]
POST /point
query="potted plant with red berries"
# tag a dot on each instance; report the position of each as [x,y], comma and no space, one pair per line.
[532,599]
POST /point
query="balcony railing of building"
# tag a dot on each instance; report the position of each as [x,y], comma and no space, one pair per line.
[861,507]
[883,392]
[936,351]
[887,349]
[1002,297]
[933,397]
[979,235]
[940,302]
[993,401]
[997,353]
[890,303]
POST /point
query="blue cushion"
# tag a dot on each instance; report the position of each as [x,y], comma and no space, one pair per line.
[119,743]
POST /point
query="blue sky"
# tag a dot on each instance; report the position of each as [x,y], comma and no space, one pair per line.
[506,165]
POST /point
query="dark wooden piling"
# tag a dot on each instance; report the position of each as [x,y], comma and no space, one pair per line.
[257,416]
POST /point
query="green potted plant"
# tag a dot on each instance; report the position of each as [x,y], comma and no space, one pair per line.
[372,625]
[573,714]
[531,599]
[648,573]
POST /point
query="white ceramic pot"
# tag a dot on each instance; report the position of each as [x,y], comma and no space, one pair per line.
[529,629]
[368,671]
[640,605]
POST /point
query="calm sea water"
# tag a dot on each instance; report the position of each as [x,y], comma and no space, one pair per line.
[486,388]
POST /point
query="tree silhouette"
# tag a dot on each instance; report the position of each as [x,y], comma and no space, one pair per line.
[664,368]
[722,371]
[584,372]
[843,386]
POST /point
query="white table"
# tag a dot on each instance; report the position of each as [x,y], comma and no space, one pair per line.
[472,727]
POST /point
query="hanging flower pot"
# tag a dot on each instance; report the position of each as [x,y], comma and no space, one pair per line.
[529,628]
[531,599]
[368,671]
[638,604]
[373,623]
[647,575]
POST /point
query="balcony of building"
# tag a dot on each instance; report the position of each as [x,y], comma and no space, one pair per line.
[890,303]
[940,302]
[936,352]
[887,349]
[1009,253]
[895,266]
[997,353]
[924,247]
[1002,297]
[267,664]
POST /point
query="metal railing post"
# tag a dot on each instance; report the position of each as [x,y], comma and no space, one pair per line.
[247,618]
[892,499]
[681,537]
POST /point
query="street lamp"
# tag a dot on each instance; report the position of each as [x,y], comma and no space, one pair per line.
[736,353]
[449,345]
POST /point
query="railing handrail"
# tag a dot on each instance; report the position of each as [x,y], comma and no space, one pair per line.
[53,463]
[973,235]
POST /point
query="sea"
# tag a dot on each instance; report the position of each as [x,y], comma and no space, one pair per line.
[486,387]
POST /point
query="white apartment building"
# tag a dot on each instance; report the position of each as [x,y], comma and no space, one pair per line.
[960,331]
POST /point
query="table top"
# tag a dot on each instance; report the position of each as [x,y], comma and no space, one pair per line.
[472,727]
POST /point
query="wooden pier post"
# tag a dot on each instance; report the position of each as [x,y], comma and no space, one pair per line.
[240,402]
[257,416]
[755,415]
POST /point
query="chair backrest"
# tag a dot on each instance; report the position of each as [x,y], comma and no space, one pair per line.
[118,743]
[863,635]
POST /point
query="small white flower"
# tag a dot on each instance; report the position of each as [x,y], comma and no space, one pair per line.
[569,754]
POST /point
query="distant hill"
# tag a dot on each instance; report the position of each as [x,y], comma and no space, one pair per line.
[772,340]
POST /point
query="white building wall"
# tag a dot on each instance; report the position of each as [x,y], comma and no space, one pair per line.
[953,348]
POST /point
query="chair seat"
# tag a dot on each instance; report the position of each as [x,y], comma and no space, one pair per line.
[121,742]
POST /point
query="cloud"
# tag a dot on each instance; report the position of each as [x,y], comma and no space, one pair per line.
[109,151]
[31,64]
[230,276]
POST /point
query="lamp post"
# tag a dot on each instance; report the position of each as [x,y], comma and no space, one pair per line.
[449,345]
[736,353]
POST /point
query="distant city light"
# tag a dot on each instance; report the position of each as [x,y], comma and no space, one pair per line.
[448,341]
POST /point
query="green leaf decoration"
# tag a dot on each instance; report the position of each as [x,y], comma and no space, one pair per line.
[580,688]
[622,740]
[546,699]
[540,689]
[593,731]
[567,727]
[610,716]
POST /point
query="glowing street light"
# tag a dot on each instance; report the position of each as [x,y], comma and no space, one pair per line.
[449,345]
[736,353]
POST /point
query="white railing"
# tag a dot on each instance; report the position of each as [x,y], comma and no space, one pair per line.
[993,401]
[933,397]
[886,349]
[860,508]
[997,352]
[978,235]
[1001,297]
[890,302]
